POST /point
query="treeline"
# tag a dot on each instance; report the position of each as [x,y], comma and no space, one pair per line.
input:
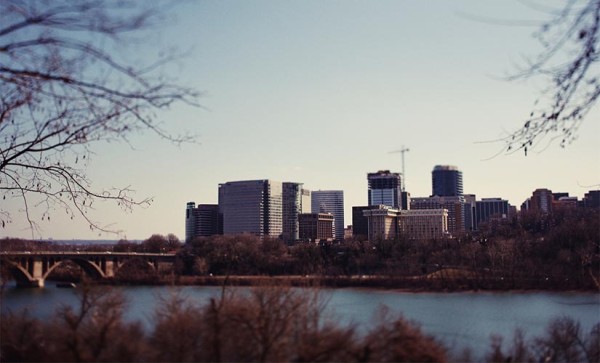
[156,243]
[530,251]
[557,251]
[263,324]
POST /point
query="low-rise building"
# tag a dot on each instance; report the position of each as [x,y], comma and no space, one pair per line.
[423,224]
[382,223]
[387,223]
[316,226]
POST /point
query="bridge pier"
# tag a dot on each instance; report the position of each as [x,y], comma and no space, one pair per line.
[35,283]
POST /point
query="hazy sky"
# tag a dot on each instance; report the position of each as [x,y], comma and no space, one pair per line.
[320,92]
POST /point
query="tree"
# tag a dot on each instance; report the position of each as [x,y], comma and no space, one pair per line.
[570,61]
[64,89]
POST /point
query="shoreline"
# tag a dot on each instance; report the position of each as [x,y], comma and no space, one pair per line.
[399,284]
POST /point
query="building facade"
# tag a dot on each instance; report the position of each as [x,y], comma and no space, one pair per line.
[385,223]
[315,226]
[423,224]
[330,201]
[541,201]
[382,223]
[470,212]
[488,208]
[291,208]
[385,188]
[360,223]
[455,205]
[202,221]
[253,206]
[591,199]
[446,181]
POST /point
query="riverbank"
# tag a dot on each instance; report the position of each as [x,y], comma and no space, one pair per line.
[426,283]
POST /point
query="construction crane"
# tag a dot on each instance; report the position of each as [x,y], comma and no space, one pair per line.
[402,151]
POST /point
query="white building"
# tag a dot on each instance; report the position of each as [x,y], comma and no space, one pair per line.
[387,223]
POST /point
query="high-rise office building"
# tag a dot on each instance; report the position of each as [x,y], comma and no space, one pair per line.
[541,201]
[470,212]
[253,206]
[190,221]
[446,181]
[305,200]
[330,201]
[292,200]
[360,223]
[385,188]
[202,221]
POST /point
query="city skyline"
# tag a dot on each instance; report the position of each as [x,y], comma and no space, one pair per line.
[321,93]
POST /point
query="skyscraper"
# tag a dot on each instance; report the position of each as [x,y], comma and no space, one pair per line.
[385,188]
[190,221]
[292,206]
[202,221]
[330,201]
[253,206]
[446,181]
[541,200]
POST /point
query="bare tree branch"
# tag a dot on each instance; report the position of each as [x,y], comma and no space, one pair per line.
[63,89]
[570,62]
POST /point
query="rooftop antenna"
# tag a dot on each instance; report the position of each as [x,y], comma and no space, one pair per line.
[402,151]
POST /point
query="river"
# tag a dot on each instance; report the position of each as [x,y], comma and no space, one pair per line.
[459,320]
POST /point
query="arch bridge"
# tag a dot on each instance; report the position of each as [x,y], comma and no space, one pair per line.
[32,268]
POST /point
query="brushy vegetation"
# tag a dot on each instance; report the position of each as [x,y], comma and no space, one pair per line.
[260,324]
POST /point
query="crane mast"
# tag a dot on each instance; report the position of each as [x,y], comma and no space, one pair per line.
[402,151]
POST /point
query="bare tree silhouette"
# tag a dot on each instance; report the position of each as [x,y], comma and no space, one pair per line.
[569,60]
[64,88]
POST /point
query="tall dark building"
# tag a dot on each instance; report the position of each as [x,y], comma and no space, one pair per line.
[291,207]
[488,208]
[446,181]
[592,199]
[202,221]
[360,223]
[385,188]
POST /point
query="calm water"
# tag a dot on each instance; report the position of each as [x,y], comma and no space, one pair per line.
[458,319]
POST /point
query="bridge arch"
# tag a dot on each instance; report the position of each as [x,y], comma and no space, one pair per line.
[90,268]
[18,272]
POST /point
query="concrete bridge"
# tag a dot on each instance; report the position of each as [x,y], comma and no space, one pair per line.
[32,268]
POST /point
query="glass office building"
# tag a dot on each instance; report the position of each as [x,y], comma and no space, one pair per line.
[330,201]
[253,206]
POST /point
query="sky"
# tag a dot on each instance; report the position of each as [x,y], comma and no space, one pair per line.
[320,92]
